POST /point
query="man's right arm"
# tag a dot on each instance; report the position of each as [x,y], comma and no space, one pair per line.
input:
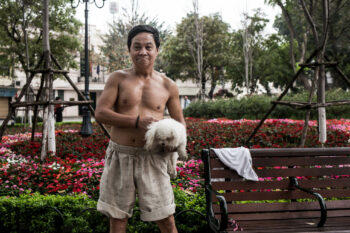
[104,110]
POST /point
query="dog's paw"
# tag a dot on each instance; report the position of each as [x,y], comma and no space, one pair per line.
[182,155]
[172,173]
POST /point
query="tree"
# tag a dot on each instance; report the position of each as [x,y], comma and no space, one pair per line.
[115,48]
[257,59]
[251,34]
[21,34]
[23,17]
[295,28]
[179,55]
[320,16]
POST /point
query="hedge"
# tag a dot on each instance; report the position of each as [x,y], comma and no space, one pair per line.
[256,106]
[39,213]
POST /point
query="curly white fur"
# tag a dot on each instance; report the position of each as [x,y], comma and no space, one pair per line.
[167,135]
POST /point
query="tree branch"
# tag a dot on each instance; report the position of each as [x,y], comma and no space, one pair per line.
[310,20]
[288,19]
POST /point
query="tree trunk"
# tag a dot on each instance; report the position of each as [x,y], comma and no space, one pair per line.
[48,142]
[321,95]
[246,55]
[214,79]
[320,70]
[45,122]
[199,46]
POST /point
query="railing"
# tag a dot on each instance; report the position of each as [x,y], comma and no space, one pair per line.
[92,79]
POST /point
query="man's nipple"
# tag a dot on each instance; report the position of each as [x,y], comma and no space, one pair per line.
[125,101]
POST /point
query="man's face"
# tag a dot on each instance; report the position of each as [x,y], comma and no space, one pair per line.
[143,49]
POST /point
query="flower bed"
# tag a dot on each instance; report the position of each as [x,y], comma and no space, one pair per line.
[77,168]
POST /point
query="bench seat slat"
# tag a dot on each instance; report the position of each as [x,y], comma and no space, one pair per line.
[285,206]
[300,161]
[275,215]
[283,184]
[288,215]
[295,152]
[285,172]
[341,224]
[300,151]
[278,195]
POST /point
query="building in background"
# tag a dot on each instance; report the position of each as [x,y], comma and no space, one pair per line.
[7,93]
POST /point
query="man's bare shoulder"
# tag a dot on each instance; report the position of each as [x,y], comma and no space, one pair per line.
[168,82]
[118,76]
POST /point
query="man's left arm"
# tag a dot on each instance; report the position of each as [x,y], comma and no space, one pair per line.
[173,104]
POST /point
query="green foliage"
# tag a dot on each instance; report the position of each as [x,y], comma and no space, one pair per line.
[34,213]
[337,48]
[16,17]
[180,51]
[268,57]
[190,221]
[256,106]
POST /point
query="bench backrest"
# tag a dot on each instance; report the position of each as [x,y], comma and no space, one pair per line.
[323,170]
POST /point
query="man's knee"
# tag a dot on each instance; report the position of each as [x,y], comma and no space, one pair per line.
[118,224]
[167,224]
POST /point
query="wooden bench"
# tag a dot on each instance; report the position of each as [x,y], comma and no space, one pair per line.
[300,190]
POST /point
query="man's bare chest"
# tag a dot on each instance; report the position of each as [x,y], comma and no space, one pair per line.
[151,96]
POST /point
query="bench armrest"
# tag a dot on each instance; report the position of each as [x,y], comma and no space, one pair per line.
[320,199]
[213,222]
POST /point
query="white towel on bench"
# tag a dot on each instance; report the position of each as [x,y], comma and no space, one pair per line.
[238,159]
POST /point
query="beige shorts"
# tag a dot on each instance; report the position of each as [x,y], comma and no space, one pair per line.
[129,171]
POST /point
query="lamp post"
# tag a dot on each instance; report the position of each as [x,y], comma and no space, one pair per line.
[86,128]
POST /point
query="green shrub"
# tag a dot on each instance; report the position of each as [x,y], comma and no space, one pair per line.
[18,120]
[255,107]
[36,213]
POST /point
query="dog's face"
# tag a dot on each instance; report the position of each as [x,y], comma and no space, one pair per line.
[165,135]
[165,139]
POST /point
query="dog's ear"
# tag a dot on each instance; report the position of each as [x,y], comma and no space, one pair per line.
[149,137]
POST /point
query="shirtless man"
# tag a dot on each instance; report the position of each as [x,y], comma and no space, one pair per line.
[132,99]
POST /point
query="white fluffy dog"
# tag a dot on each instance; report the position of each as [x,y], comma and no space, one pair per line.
[167,135]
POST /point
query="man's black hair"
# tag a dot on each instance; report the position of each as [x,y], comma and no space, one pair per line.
[143,28]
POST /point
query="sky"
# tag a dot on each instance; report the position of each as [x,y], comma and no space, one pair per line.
[172,11]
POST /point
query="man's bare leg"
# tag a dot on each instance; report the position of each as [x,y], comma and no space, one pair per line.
[167,225]
[118,225]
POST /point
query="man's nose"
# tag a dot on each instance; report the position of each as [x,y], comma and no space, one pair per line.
[143,51]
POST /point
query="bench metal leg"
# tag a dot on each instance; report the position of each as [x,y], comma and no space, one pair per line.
[320,199]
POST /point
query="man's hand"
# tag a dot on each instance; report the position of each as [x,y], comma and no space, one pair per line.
[145,121]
